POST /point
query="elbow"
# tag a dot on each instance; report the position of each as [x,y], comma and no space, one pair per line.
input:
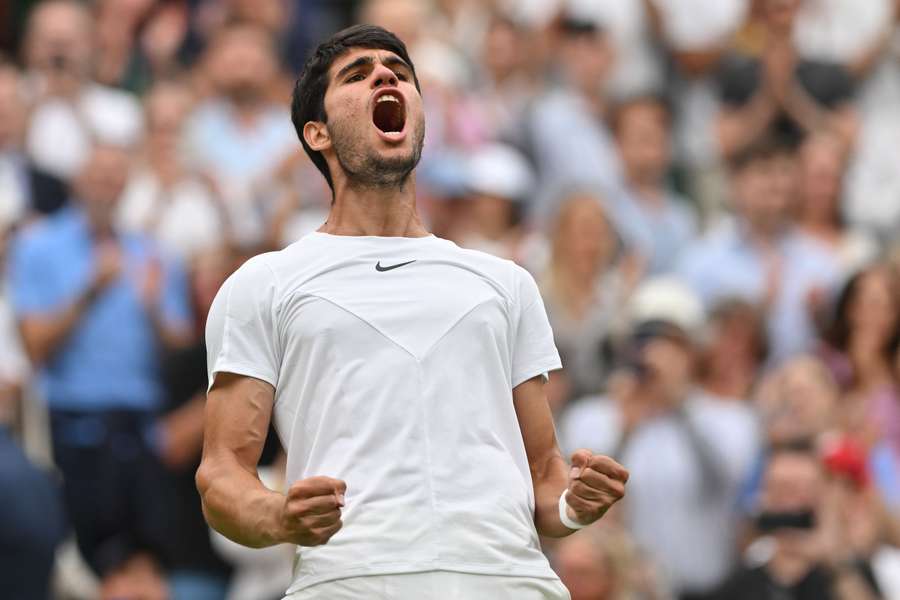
[204,482]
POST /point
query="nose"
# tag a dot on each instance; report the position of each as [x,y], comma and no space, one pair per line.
[383,76]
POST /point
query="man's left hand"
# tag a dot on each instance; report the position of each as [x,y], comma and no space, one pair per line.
[596,482]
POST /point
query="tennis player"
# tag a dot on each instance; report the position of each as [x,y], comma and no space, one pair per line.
[405,376]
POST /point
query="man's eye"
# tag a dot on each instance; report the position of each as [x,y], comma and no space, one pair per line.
[402,77]
[357,77]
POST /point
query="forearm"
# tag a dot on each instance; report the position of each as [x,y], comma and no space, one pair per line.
[550,478]
[237,505]
[736,129]
[42,336]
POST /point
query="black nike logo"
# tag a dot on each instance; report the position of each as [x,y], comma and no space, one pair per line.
[378,266]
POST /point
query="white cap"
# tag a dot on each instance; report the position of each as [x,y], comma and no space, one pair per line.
[667,299]
[500,170]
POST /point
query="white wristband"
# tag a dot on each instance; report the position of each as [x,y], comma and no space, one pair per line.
[565,517]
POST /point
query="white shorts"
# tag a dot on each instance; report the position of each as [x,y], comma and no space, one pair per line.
[435,585]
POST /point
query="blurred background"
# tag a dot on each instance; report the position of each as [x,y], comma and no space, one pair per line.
[707,192]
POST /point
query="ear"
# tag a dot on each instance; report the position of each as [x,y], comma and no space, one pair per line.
[316,135]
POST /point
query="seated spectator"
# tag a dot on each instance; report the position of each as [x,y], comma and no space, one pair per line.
[822,162]
[25,188]
[654,221]
[71,112]
[759,257]
[240,136]
[584,290]
[688,453]
[812,554]
[734,351]
[95,307]
[766,87]
[162,199]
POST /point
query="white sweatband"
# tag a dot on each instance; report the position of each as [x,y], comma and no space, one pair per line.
[565,517]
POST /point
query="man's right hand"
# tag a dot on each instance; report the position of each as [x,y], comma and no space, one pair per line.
[312,511]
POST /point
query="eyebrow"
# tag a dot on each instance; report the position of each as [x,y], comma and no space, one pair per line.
[392,60]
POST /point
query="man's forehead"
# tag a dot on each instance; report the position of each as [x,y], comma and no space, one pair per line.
[376,54]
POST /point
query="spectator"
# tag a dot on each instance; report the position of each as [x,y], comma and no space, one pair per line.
[567,134]
[759,257]
[499,181]
[863,341]
[766,86]
[603,563]
[584,290]
[688,453]
[239,136]
[654,222]
[163,199]
[811,555]
[71,111]
[822,160]
[24,187]
[95,307]
[734,351]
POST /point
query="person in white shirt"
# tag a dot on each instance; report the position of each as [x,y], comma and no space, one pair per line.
[71,112]
[405,376]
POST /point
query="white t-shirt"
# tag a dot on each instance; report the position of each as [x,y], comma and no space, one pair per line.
[393,361]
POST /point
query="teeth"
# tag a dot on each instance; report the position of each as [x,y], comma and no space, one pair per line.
[387,98]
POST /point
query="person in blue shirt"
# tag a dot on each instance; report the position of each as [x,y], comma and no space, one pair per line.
[96,310]
[759,256]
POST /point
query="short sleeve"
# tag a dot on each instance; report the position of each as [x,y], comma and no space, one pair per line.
[32,286]
[534,352]
[241,333]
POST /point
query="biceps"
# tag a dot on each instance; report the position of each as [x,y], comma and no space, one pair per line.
[238,413]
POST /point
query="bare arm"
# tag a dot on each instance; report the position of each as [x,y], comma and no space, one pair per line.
[594,483]
[235,502]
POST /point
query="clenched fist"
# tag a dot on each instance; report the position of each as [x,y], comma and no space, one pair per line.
[312,511]
[595,483]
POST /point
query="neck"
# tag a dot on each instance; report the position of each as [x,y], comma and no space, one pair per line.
[379,211]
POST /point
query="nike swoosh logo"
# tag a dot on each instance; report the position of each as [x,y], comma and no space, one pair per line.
[378,266]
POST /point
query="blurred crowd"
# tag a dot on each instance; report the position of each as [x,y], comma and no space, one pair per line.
[708,194]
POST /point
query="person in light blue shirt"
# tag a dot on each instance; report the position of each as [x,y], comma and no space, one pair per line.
[96,310]
[759,257]
[653,221]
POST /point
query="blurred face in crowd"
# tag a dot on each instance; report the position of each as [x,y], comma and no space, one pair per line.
[821,176]
[269,14]
[167,106]
[502,52]
[376,123]
[242,64]
[736,338]
[798,402]
[764,189]
[584,241]
[667,370]
[780,15]
[873,309]
[587,59]
[100,183]
[403,18]
[793,482]
[12,108]
[642,132]
[59,39]
[585,569]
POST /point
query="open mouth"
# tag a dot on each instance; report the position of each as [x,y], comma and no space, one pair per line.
[389,114]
